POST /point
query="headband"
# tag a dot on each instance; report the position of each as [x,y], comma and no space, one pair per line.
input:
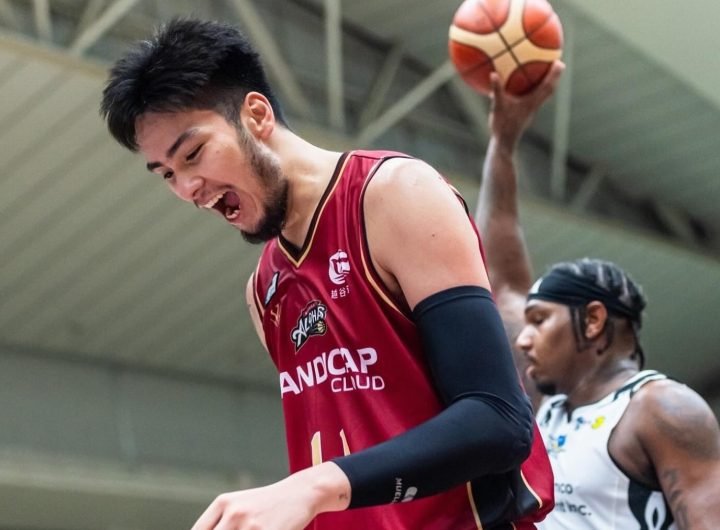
[564,287]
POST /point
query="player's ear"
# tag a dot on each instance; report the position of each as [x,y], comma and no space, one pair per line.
[257,116]
[596,316]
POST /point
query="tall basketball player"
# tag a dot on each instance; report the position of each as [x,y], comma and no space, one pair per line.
[629,447]
[400,396]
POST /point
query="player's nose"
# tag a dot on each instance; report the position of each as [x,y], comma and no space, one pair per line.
[524,339]
[188,186]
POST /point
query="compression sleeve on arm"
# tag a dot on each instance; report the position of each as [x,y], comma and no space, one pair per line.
[486,427]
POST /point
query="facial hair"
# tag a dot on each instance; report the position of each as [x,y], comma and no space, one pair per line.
[267,169]
[546,389]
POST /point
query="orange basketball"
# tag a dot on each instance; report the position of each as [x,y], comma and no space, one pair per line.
[519,39]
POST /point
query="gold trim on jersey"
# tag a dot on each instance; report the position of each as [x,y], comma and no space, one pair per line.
[472,505]
[366,266]
[376,287]
[258,303]
[531,490]
[337,176]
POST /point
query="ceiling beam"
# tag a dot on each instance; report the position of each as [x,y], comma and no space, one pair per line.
[474,106]
[441,75]
[92,10]
[43,23]
[7,14]
[589,187]
[676,221]
[381,85]
[679,36]
[333,48]
[97,29]
[272,58]
[561,133]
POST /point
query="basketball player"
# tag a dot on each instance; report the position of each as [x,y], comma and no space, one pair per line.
[398,387]
[630,448]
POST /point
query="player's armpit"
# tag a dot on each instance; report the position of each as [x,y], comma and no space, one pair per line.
[680,434]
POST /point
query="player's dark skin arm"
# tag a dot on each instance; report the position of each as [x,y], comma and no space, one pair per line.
[497,218]
[669,439]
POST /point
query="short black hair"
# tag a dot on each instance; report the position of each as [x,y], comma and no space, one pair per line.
[188,64]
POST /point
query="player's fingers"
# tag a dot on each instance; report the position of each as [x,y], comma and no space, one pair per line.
[227,523]
[550,82]
[556,70]
[495,86]
[553,76]
[210,517]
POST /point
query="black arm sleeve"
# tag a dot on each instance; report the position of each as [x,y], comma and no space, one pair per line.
[487,425]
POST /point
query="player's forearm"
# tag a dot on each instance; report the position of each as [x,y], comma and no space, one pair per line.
[498,220]
[473,438]
[498,193]
[487,426]
[327,487]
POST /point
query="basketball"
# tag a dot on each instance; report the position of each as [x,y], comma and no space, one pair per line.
[518,39]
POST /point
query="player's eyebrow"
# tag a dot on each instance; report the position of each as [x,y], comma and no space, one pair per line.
[174,147]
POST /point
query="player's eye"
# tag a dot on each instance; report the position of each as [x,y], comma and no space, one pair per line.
[167,175]
[536,319]
[193,154]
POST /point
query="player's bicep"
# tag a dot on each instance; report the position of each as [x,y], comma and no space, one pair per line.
[419,232]
[253,310]
[682,438]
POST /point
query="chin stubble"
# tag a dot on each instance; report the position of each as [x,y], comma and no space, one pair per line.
[267,168]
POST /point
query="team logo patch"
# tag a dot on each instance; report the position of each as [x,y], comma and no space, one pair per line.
[312,321]
[339,267]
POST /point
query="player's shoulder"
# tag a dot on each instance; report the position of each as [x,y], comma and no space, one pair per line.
[399,173]
[667,411]
[406,185]
[666,397]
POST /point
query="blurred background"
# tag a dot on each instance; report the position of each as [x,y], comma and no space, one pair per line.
[132,387]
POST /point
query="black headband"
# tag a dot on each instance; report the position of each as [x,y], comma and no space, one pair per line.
[564,287]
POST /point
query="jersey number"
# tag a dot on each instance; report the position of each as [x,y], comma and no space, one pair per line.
[316,447]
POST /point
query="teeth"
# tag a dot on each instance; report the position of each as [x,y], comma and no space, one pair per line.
[213,201]
[233,215]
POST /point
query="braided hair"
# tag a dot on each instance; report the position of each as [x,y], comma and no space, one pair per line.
[628,300]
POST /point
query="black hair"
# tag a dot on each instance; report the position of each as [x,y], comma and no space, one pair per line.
[616,282]
[187,65]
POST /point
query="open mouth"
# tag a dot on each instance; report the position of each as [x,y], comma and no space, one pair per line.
[227,203]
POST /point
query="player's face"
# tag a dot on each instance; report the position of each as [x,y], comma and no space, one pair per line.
[215,165]
[548,342]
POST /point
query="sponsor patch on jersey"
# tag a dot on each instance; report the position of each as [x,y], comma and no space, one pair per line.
[312,321]
[338,267]
[556,445]
[272,288]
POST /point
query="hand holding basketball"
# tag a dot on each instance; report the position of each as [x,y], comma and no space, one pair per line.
[518,39]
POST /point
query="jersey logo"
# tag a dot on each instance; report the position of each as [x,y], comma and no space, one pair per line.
[272,288]
[275,314]
[339,267]
[312,321]
[599,421]
[556,445]
[594,424]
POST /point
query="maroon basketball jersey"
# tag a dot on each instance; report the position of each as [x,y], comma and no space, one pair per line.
[352,373]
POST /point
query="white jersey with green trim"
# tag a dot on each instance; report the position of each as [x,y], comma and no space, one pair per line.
[591,492]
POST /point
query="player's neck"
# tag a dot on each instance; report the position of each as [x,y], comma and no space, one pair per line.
[595,384]
[309,170]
